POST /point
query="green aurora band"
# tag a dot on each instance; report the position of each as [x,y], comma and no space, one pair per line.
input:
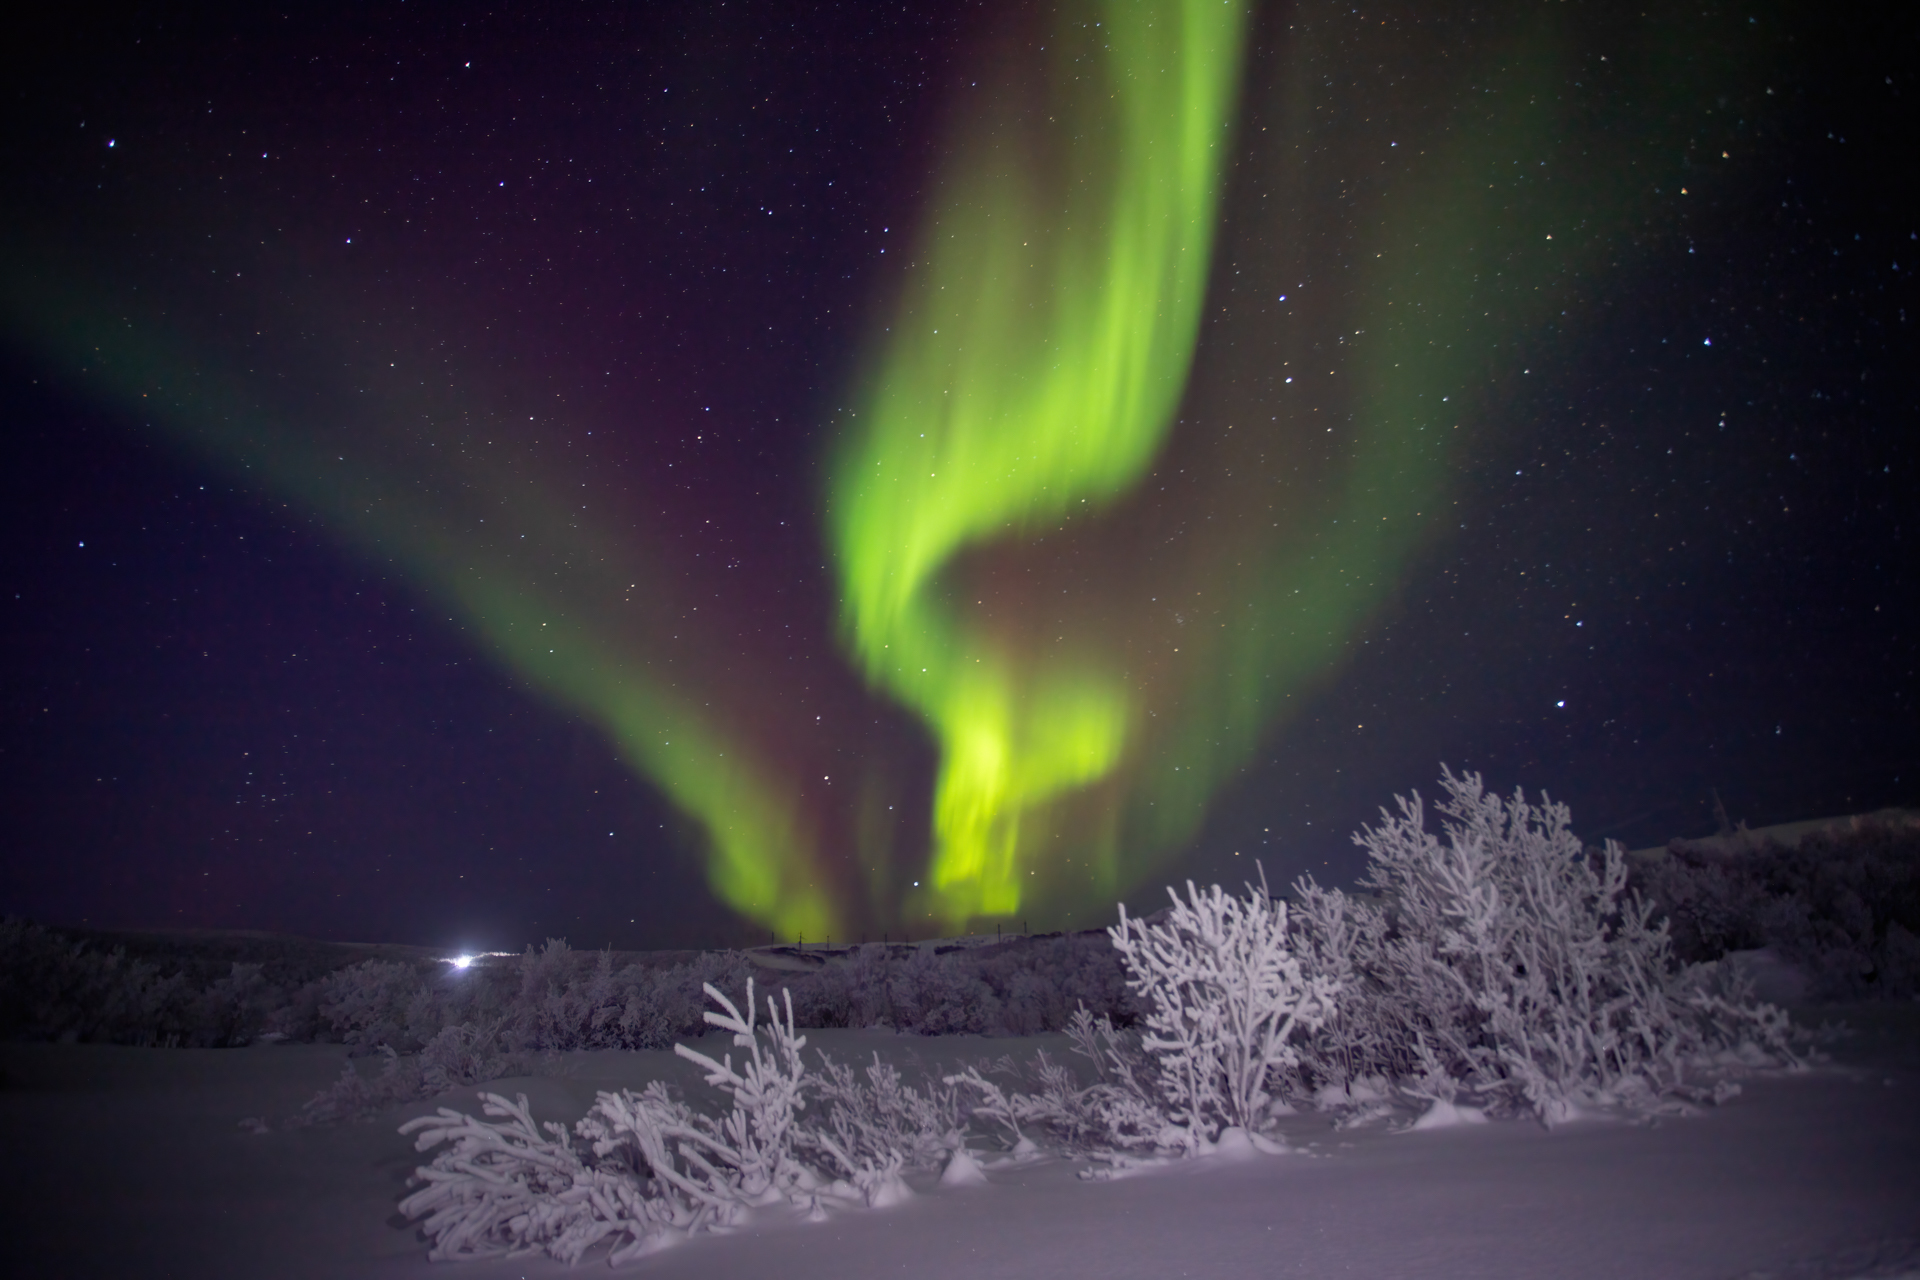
[1100,617]
[560,592]
[1031,374]
[1105,515]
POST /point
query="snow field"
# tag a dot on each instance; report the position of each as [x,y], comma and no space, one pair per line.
[134,1167]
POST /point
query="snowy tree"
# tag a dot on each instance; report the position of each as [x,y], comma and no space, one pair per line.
[873,1120]
[503,1187]
[1224,997]
[1507,961]
[654,1169]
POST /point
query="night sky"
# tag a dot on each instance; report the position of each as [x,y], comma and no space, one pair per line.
[661,474]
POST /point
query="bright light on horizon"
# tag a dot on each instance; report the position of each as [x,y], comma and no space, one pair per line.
[466,960]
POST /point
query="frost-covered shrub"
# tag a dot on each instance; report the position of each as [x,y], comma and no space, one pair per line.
[1021,986]
[234,1009]
[1031,1004]
[832,996]
[1333,937]
[1711,904]
[1122,1109]
[1222,999]
[354,1095]
[550,999]
[505,1187]
[939,994]
[875,1119]
[55,988]
[437,1031]
[569,1000]
[1225,995]
[1842,905]
[654,1168]
[380,1002]
[560,1006]
[1507,962]
[1124,1095]
[756,1142]
[1042,981]
[458,1056]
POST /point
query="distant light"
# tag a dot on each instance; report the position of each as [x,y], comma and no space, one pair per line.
[471,958]
[1561,703]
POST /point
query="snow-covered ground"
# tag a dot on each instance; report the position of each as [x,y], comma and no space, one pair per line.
[132,1163]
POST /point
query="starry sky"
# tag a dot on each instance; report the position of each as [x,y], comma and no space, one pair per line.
[678,475]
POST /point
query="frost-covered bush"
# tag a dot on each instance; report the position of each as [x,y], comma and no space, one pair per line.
[437,1031]
[1223,999]
[564,1004]
[569,1000]
[1711,904]
[457,1056]
[1333,935]
[505,1187]
[1021,986]
[1842,905]
[654,1168]
[1037,983]
[681,990]
[1505,963]
[55,988]
[874,1119]
[380,1002]
[1122,1109]
[747,1156]
[234,1009]
[551,999]
[1508,963]
[846,994]
[1224,995]
[941,994]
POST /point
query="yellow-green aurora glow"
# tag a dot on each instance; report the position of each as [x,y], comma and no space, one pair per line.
[1029,374]
[1101,613]
[1158,414]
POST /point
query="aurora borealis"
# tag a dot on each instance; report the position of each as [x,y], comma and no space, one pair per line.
[928,471]
[1029,379]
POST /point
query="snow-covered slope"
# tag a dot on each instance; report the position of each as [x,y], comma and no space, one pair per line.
[132,1163]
